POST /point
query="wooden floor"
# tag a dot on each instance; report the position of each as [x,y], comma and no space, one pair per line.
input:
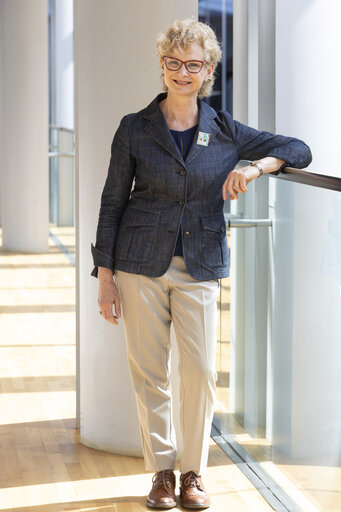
[43,466]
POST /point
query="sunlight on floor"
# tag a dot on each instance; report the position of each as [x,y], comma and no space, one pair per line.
[117,487]
[31,407]
[44,467]
[61,492]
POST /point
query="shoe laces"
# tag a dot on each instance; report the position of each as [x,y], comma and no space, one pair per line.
[192,480]
[163,478]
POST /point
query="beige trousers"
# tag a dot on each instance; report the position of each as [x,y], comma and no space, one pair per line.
[149,305]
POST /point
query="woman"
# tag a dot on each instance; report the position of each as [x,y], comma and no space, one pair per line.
[161,231]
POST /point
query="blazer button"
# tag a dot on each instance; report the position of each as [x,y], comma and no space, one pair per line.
[222,229]
[181,202]
[183,172]
[186,233]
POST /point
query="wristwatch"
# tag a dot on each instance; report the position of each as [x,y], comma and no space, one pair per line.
[257,164]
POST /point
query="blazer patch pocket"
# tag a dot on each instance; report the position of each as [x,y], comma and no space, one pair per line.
[213,240]
[136,235]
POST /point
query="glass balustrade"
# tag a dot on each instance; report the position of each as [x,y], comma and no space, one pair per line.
[279,388]
[62,176]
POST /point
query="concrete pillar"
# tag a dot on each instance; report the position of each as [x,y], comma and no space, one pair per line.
[24,125]
[305,242]
[116,72]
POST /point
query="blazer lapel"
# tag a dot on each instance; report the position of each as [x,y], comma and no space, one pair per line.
[206,125]
[158,129]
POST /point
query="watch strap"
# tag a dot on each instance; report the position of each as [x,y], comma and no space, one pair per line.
[257,164]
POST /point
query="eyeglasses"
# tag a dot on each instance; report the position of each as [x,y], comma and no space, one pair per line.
[192,66]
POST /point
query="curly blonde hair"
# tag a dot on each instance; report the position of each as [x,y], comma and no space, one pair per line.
[183,33]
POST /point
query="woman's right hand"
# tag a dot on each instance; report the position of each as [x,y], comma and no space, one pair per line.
[108,296]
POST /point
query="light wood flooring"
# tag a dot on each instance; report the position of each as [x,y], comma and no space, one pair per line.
[43,465]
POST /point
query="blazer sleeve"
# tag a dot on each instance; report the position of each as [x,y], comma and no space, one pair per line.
[115,195]
[253,144]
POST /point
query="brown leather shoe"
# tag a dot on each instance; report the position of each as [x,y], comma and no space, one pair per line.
[192,492]
[162,494]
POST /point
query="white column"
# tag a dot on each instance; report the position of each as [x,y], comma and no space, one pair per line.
[305,244]
[1,137]
[24,125]
[116,72]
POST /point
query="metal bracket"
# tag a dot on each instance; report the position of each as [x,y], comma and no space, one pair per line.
[236,221]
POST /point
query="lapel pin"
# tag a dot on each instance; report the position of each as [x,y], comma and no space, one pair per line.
[203,139]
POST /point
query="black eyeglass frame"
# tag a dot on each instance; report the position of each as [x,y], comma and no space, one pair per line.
[185,62]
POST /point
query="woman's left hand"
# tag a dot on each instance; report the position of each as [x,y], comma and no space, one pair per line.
[237,180]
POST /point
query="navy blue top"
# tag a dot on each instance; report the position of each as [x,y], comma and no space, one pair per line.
[184,141]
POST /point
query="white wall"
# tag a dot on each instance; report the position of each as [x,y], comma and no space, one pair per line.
[116,72]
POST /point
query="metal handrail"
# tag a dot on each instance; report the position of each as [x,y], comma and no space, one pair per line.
[62,128]
[305,177]
[56,154]
[236,221]
[248,223]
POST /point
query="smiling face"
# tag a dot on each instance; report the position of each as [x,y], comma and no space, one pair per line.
[182,82]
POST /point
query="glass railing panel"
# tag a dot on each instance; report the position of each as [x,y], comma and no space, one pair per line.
[296,444]
[62,176]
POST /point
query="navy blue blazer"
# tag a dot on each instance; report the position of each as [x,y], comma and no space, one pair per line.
[150,189]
